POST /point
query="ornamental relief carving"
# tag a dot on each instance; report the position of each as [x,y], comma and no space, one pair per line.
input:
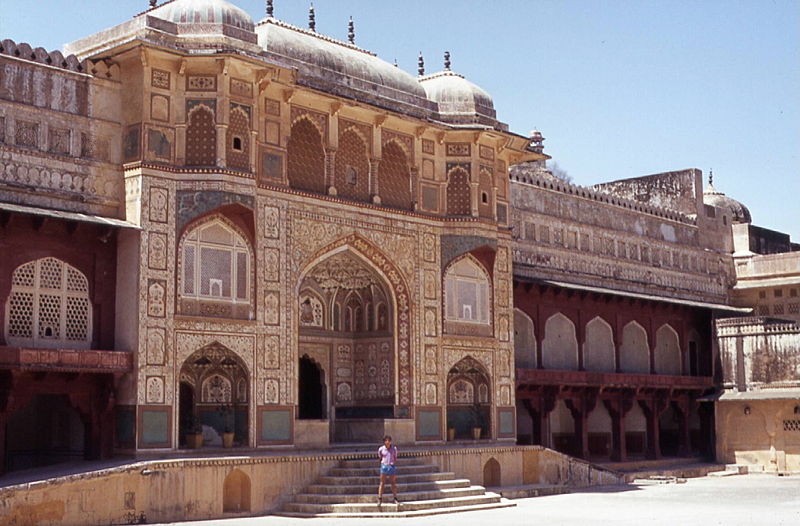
[453,356]
[156,339]
[243,345]
[157,251]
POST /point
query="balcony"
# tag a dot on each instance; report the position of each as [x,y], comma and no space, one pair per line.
[66,360]
[542,377]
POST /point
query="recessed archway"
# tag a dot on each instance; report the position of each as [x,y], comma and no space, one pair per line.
[218,381]
[469,399]
[364,308]
[312,404]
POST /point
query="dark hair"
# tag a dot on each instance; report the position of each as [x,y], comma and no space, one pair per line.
[387,437]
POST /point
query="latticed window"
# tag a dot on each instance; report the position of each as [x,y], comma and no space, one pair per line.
[467,292]
[49,306]
[216,264]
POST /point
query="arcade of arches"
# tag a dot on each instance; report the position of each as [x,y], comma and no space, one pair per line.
[603,377]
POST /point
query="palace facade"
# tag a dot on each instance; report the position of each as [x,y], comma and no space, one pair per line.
[208,223]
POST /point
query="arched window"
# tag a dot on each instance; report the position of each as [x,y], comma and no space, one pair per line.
[216,264]
[467,292]
[49,306]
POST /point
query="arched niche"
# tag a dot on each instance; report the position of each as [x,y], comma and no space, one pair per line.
[598,349]
[560,345]
[469,399]
[668,356]
[524,341]
[236,492]
[634,354]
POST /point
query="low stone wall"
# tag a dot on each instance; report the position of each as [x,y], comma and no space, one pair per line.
[195,489]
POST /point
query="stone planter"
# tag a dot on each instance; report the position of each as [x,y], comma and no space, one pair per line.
[194,440]
[451,433]
[476,433]
[227,439]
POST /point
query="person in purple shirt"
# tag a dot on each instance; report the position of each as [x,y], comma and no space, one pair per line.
[388,455]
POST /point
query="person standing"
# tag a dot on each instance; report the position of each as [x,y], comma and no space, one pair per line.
[388,455]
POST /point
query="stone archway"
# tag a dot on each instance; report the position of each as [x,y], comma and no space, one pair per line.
[342,295]
[468,399]
[216,382]
[397,308]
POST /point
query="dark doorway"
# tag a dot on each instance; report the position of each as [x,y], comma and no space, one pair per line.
[312,392]
[46,431]
[187,418]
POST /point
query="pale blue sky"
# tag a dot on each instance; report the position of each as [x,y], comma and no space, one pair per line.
[618,88]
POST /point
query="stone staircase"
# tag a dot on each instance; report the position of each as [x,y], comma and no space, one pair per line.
[351,489]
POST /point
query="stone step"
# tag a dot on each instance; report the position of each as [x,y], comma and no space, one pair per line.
[371,462]
[375,479]
[408,506]
[375,470]
[370,498]
[390,511]
[372,488]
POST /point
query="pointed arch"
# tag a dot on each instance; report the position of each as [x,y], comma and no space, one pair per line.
[668,357]
[524,341]
[598,347]
[467,291]
[634,354]
[400,298]
[459,202]
[236,492]
[305,164]
[560,344]
[201,136]
[238,139]
[394,176]
[352,175]
[215,262]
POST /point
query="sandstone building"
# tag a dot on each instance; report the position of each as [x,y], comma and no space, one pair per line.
[257,228]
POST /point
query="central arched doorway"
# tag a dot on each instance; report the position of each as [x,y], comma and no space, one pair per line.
[347,328]
[468,401]
[213,396]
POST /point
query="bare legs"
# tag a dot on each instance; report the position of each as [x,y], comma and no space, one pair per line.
[393,481]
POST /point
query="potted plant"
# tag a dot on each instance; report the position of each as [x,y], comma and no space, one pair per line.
[228,423]
[451,433]
[194,437]
[476,420]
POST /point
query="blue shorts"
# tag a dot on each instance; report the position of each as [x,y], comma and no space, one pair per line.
[387,469]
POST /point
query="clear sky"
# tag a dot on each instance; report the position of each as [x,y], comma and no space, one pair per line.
[620,88]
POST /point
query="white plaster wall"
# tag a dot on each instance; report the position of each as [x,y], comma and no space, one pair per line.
[599,420]
[598,349]
[524,341]
[560,345]
[668,351]
[561,420]
[635,419]
[634,354]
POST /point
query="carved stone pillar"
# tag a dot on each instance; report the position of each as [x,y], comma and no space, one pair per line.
[374,188]
[330,170]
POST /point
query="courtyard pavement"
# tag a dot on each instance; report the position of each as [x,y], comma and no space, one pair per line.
[744,500]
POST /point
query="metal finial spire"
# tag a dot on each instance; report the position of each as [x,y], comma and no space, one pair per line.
[351,31]
[421,64]
[270,9]
[395,63]
[711,176]
[312,20]
[153,3]
[447,61]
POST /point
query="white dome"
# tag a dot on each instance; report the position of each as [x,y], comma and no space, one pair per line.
[199,12]
[460,101]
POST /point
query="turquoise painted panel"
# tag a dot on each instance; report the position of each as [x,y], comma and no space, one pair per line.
[276,425]
[155,427]
[429,424]
[506,423]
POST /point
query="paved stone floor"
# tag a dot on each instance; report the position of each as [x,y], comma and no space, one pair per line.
[751,500]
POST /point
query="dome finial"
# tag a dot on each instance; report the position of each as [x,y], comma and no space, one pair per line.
[395,63]
[421,65]
[270,9]
[312,20]
[711,176]
[447,61]
[153,3]
[351,31]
